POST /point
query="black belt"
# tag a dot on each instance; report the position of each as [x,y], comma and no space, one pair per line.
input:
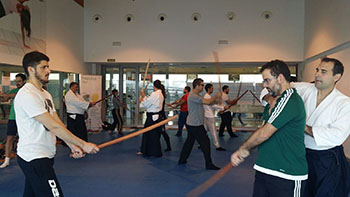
[152,113]
[75,114]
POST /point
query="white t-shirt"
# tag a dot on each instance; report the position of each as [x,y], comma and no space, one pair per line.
[210,109]
[225,98]
[35,141]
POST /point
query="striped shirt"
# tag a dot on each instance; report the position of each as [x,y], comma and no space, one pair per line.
[283,154]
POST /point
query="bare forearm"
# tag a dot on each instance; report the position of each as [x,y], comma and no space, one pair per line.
[254,140]
[67,136]
[209,101]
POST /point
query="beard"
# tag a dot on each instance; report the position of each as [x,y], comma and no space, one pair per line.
[42,81]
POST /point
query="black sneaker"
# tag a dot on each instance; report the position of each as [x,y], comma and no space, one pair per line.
[212,167]
[168,149]
[234,135]
[220,149]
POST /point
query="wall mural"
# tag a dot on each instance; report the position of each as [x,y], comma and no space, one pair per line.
[22,26]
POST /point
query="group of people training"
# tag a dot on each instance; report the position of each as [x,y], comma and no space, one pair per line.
[300,149]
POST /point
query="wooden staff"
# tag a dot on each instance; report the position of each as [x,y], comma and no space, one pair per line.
[210,182]
[239,89]
[136,133]
[255,96]
[144,77]
[238,98]
[104,98]
[216,57]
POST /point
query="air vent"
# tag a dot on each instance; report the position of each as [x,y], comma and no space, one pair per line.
[110,60]
[196,17]
[230,15]
[117,44]
[97,18]
[129,18]
[162,17]
[223,42]
[266,15]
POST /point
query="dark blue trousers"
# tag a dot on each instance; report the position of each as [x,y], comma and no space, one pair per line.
[329,173]
[181,122]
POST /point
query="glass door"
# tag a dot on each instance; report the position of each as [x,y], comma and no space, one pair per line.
[130,95]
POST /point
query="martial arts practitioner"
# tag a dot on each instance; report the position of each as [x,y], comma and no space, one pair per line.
[183,110]
[76,107]
[281,167]
[209,116]
[327,127]
[11,124]
[153,104]
[195,125]
[38,125]
[226,116]
[117,118]
[163,117]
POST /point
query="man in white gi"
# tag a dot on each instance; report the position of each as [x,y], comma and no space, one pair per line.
[38,125]
[327,127]
[209,116]
[76,107]
[153,104]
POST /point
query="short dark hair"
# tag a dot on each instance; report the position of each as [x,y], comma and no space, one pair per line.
[224,87]
[157,84]
[114,90]
[72,84]
[196,82]
[276,68]
[188,88]
[33,59]
[22,76]
[209,85]
[338,67]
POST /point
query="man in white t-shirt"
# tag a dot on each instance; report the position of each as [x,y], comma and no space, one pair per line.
[38,125]
[226,116]
[209,116]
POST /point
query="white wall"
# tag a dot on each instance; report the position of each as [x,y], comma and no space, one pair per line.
[179,39]
[326,26]
[65,30]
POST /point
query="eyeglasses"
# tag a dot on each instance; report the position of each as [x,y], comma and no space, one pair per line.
[268,80]
[201,84]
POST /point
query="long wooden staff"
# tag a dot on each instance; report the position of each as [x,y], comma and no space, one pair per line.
[104,98]
[238,98]
[144,77]
[210,182]
[216,57]
[239,89]
[255,96]
[136,133]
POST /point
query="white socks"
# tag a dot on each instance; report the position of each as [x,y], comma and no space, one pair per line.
[6,162]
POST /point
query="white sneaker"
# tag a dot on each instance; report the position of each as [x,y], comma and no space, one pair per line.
[6,163]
